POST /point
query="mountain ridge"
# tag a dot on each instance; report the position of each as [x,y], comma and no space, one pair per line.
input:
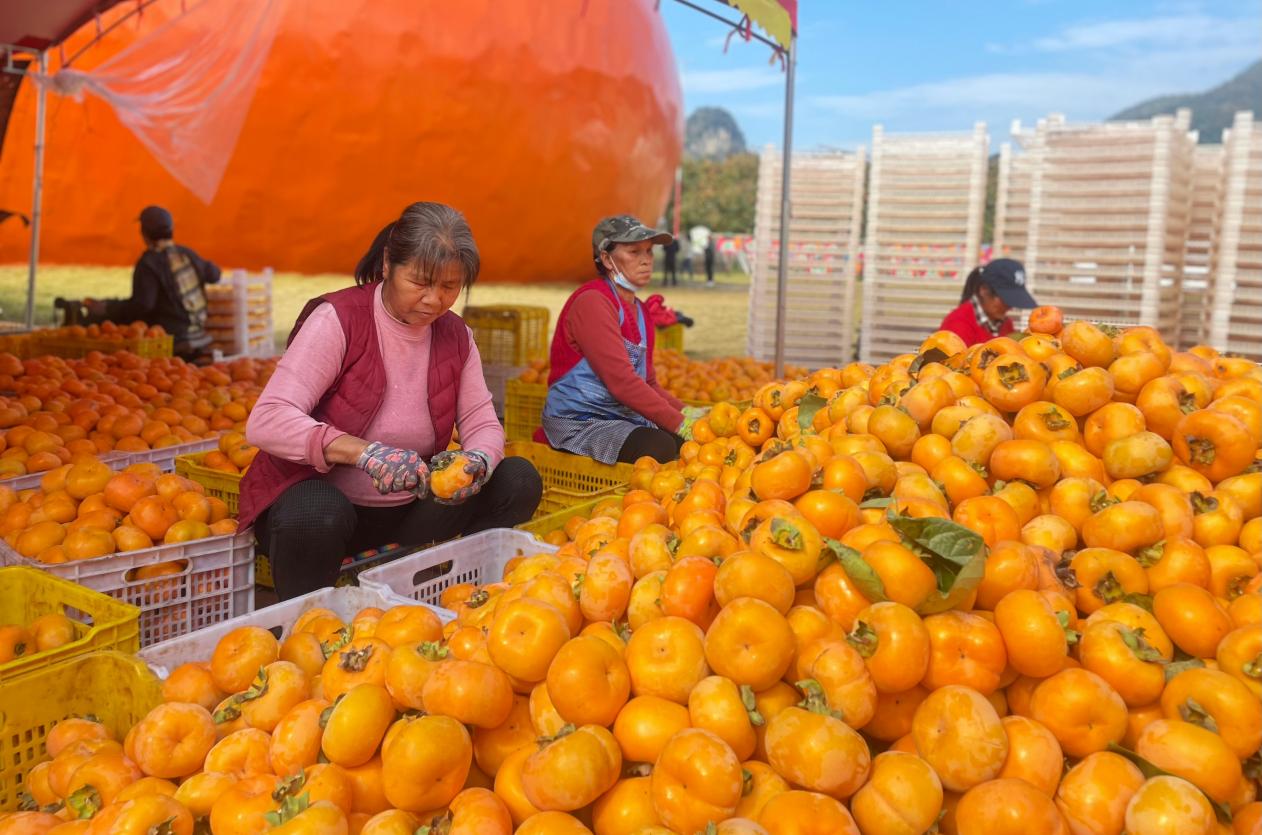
[1212,110]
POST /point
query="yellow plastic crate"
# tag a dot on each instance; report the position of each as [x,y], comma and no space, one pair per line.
[509,334]
[568,479]
[541,526]
[116,689]
[101,622]
[742,405]
[152,347]
[20,345]
[523,409]
[221,485]
[670,338]
[263,571]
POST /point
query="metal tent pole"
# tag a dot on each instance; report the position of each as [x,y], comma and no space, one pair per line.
[679,196]
[41,106]
[786,168]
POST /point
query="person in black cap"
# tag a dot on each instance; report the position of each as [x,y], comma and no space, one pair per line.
[166,288]
[604,401]
[989,293]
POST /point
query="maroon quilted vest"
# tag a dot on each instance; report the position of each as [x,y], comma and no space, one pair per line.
[352,401]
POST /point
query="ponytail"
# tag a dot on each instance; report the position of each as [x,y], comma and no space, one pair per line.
[972,284]
[371,267]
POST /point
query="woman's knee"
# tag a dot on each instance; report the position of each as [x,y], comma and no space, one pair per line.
[657,444]
[520,477]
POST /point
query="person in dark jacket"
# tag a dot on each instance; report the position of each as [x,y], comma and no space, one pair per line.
[166,288]
[670,252]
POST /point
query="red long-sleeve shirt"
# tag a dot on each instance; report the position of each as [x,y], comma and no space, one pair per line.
[589,329]
[963,322]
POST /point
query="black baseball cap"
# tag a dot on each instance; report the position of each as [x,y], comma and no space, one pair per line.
[624,229]
[1006,277]
[156,222]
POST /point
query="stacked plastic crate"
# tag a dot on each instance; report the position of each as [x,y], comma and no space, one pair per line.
[826,208]
[1235,312]
[926,197]
[1207,176]
[510,338]
[240,314]
[1108,219]
[1012,202]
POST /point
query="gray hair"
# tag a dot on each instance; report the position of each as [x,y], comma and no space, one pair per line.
[429,235]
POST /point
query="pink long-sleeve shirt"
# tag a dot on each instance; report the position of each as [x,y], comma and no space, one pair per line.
[281,422]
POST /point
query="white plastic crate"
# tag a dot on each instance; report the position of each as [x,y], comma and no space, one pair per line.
[479,559]
[215,583]
[1108,218]
[344,602]
[165,456]
[917,252]
[241,314]
[1234,321]
[827,191]
[115,460]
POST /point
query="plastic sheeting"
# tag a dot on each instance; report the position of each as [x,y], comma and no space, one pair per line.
[185,88]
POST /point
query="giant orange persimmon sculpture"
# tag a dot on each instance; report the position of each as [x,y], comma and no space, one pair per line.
[534,119]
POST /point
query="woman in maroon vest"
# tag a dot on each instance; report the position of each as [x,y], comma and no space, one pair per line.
[364,401]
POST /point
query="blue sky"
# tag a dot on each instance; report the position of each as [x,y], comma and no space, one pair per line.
[926,65]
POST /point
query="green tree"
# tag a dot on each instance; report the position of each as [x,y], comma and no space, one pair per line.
[719,195]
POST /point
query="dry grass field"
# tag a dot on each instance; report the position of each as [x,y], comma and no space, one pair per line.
[720,312]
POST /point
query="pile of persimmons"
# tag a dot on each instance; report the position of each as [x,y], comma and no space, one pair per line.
[1009,589]
[704,381]
[21,640]
[86,510]
[53,409]
[103,331]
[713,381]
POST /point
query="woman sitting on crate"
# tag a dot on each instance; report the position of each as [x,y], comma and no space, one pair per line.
[361,409]
[603,398]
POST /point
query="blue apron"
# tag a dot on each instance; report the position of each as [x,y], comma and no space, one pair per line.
[582,416]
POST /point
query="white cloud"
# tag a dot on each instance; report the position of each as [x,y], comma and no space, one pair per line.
[735,80]
[1180,30]
[1109,80]
[1187,30]
[978,95]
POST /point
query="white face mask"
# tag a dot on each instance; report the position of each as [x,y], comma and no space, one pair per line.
[621,280]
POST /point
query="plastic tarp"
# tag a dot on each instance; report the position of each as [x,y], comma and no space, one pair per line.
[41,24]
[184,89]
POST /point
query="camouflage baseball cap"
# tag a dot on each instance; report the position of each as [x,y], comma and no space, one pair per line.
[624,229]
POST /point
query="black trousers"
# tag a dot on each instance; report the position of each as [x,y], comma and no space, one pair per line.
[658,444]
[313,526]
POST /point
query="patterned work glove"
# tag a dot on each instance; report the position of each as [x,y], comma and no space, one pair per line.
[479,466]
[692,414]
[395,470]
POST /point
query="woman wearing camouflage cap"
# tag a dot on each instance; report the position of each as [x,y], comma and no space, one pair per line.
[603,398]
